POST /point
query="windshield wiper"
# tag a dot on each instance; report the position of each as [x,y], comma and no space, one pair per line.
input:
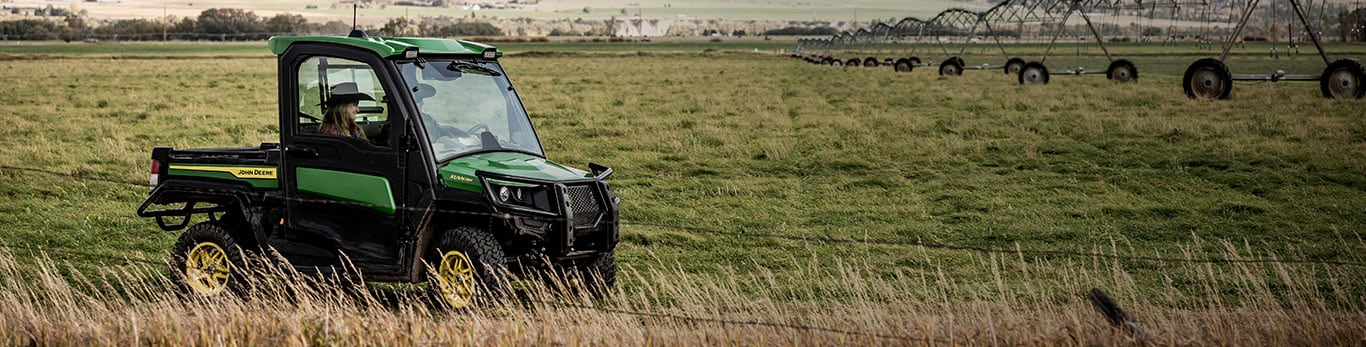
[462,66]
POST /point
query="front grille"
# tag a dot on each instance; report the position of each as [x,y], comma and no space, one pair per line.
[583,200]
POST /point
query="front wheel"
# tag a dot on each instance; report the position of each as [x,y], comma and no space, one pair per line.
[206,261]
[599,273]
[469,264]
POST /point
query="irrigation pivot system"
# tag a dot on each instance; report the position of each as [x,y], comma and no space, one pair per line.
[966,27]
[1209,78]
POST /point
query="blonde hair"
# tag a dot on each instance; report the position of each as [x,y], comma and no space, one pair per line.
[334,123]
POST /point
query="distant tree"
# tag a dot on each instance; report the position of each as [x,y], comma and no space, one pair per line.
[462,29]
[794,31]
[1352,25]
[229,21]
[131,29]
[285,23]
[399,26]
[29,29]
[335,27]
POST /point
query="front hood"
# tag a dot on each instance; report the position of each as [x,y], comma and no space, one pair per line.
[459,173]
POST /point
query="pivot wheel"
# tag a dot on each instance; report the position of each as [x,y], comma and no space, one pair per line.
[951,67]
[904,65]
[836,62]
[1122,71]
[1014,65]
[915,61]
[854,62]
[207,261]
[1342,79]
[469,262]
[1207,79]
[870,62]
[1033,73]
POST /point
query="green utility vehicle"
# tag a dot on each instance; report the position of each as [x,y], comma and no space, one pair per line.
[449,176]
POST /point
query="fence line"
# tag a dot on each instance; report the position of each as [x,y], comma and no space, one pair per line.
[825,239]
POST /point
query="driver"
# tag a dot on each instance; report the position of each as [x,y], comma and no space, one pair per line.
[340,117]
[421,93]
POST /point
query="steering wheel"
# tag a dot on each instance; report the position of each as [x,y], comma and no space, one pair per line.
[452,132]
[473,129]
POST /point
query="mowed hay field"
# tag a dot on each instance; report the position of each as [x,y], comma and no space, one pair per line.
[767,201]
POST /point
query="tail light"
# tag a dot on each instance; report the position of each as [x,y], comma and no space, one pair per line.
[155,176]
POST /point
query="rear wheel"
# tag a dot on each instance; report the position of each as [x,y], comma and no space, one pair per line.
[468,265]
[1342,79]
[1033,73]
[206,261]
[1122,71]
[1207,79]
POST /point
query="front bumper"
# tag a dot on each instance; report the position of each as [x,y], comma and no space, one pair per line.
[578,218]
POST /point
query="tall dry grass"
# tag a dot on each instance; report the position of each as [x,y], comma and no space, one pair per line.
[47,302]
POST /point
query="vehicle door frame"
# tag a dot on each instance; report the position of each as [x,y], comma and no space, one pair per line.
[398,105]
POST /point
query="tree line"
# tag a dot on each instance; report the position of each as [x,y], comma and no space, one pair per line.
[225,24]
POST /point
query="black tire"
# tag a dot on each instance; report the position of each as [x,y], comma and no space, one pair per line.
[1033,73]
[853,62]
[951,67]
[836,62]
[1014,65]
[483,271]
[1207,79]
[903,65]
[915,61]
[960,62]
[1122,71]
[869,62]
[1343,79]
[207,261]
[600,274]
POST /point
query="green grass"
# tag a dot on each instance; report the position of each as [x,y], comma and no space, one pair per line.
[745,143]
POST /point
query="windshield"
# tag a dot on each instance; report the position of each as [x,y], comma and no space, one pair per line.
[468,106]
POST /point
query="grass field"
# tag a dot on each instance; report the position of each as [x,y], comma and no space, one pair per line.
[738,146]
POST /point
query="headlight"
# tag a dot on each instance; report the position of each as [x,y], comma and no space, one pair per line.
[536,197]
[511,194]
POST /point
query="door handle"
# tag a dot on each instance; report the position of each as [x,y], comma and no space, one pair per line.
[301,151]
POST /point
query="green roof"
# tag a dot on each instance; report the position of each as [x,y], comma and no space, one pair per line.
[387,47]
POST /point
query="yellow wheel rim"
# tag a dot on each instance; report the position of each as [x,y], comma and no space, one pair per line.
[455,279]
[207,269]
